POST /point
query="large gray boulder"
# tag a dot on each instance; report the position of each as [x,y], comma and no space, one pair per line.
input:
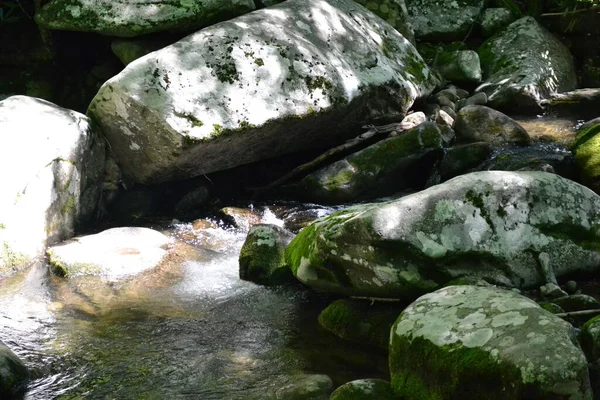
[52,163]
[523,65]
[469,342]
[435,20]
[289,77]
[516,229]
[483,124]
[129,18]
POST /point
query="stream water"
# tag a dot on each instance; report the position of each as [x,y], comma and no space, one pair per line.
[196,332]
[193,331]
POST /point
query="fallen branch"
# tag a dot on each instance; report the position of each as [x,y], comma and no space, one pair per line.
[374,134]
[582,313]
[570,12]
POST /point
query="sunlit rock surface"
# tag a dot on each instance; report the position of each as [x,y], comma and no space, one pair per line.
[128,18]
[485,343]
[53,165]
[523,65]
[517,229]
[13,373]
[296,75]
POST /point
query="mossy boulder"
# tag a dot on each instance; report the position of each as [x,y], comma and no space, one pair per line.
[516,229]
[262,257]
[435,20]
[52,160]
[460,66]
[523,65]
[113,254]
[294,76]
[577,302]
[460,159]
[13,373]
[129,18]
[360,321]
[493,20]
[383,168]
[587,153]
[475,123]
[590,339]
[469,342]
[364,389]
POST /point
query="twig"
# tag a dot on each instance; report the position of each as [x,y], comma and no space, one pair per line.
[582,313]
[563,13]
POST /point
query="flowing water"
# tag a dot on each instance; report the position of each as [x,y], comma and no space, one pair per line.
[195,331]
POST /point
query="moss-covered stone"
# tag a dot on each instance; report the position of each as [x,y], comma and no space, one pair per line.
[13,373]
[365,389]
[361,321]
[577,302]
[262,258]
[467,342]
[590,339]
[587,153]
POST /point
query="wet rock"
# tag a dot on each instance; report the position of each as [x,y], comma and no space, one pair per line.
[13,373]
[113,254]
[241,218]
[493,20]
[507,228]
[518,79]
[364,389]
[489,343]
[194,199]
[53,163]
[134,18]
[577,302]
[483,124]
[178,113]
[434,20]
[306,387]
[383,168]
[459,66]
[394,12]
[361,321]
[460,159]
[262,258]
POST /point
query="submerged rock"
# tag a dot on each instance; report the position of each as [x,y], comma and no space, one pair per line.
[129,18]
[485,343]
[114,253]
[262,258]
[13,373]
[53,166]
[434,20]
[297,75]
[523,65]
[364,389]
[360,321]
[476,123]
[517,229]
[306,387]
[383,168]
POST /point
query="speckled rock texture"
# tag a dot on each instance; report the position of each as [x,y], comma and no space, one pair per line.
[297,75]
[394,12]
[262,258]
[129,18]
[523,65]
[441,20]
[493,20]
[460,67]
[364,389]
[383,168]
[53,167]
[13,373]
[113,254]
[483,124]
[516,229]
[469,342]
